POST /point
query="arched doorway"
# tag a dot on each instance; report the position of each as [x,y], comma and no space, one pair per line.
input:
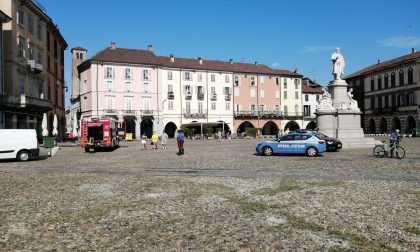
[146,127]
[410,124]
[170,129]
[270,128]
[222,126]
[292,126]
[130,125]
[311,125]
[383,126]
[396,123]
[243,126]
[372,126]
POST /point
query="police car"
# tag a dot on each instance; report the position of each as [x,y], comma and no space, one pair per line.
[293,143]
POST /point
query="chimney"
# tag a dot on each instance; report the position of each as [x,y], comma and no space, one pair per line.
[200,60]
[256,62]
[172,58]
[296,70]
[113,45]
[413,50]
[150,48]
[231,61]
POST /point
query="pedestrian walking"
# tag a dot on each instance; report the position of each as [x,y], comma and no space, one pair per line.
[144,142]
[180,139]
[155,140]
[219,136]
[163,140]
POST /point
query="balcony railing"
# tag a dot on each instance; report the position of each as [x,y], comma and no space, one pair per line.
[199,113]
[110,111]
[170,95]
[259,114]
[129,112]
[188,96]
[146,112]
[213,97]
[35,67]
[200,96]
[228,97]
[292,114]
[22,101]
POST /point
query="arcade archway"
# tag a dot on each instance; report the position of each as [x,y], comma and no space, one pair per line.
[146,127]
[396,123]
[243,126]
[270,128]
[170,129]
[292,126]
[130,125]
[372,126]
[311,125]
[383,126]
[410,124]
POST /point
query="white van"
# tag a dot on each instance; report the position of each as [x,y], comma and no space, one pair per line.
[21,144]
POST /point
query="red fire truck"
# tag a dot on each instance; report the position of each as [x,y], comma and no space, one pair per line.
[101,133]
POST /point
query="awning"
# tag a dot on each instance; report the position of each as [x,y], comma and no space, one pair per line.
[203,125]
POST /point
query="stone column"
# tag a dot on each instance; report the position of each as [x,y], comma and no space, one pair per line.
[138,129]
[338,92]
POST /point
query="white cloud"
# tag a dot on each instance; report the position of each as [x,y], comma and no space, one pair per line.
[400,42]
[315,49]
[275,64]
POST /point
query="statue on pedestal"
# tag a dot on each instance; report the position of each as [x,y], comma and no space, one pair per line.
[352,103]
[338,64]
[325,102]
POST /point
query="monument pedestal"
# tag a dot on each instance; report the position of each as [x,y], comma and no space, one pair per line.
[344,125]
[338,114]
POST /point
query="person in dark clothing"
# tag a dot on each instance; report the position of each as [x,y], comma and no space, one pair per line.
[180,139]
[394,139]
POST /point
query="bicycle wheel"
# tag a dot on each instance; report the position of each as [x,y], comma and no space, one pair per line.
[399,152]
[379,151]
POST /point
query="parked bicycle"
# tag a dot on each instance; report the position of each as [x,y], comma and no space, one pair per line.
[389,150]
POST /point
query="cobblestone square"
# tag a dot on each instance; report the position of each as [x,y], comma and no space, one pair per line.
[218,196]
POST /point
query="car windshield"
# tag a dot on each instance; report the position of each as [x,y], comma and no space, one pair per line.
[322,135]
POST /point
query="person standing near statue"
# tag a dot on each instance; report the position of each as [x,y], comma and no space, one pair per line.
[338,64]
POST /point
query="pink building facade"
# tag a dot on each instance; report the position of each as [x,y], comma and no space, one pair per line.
[157,93]
[123,84]
[258,102]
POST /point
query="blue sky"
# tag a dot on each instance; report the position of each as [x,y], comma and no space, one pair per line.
[281,34]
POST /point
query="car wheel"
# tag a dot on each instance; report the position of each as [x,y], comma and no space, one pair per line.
[23,155]
[311,152]
[267,151]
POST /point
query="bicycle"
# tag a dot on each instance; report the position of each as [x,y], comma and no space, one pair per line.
[386,149]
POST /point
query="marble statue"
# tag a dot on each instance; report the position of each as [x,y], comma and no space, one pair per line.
[352,103]
[325,102]
[338,64]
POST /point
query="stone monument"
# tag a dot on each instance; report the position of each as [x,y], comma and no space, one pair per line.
[338,114]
